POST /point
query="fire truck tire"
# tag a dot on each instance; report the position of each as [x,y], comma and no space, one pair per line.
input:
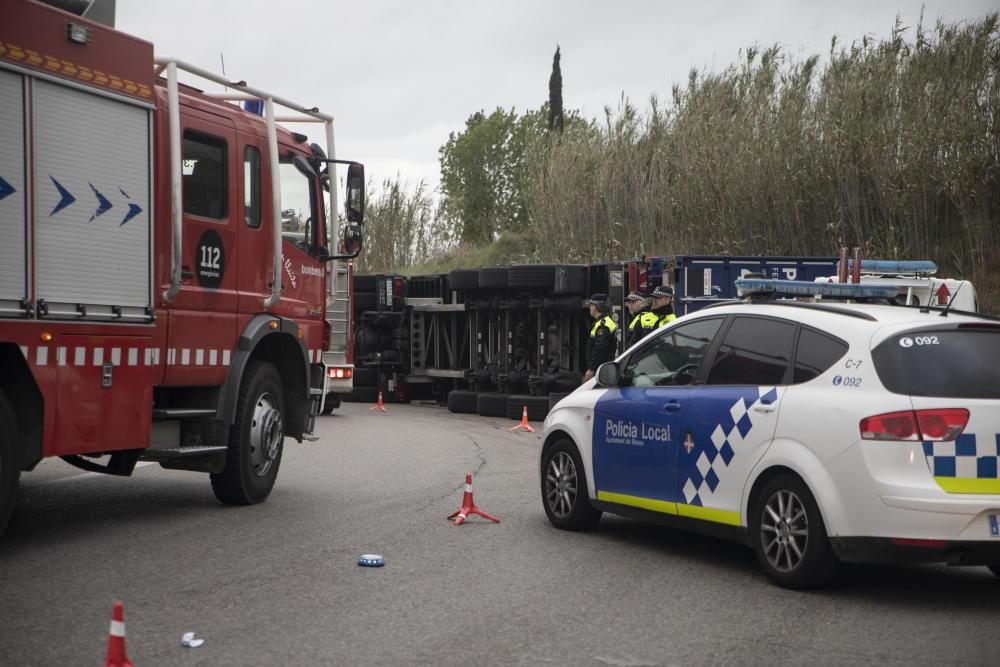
[463,401]
[331,404]
[365,284]
[493,278]
[256,438]
[541,276]
[491,405]
[538,407]
[365,377]
[363,395]
[10,471]
[571,279]
[365,301]
[463,279]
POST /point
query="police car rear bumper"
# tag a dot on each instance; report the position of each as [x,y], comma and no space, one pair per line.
[908,550]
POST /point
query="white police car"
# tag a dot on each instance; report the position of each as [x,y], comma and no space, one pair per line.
[813,432]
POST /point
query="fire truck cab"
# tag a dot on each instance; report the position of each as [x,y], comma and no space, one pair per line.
[167,261]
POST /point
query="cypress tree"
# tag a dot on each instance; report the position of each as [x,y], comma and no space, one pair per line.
[555,95]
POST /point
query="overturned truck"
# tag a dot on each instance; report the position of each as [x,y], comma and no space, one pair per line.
[495,340]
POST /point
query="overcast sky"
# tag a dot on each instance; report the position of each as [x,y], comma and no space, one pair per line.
[399,76]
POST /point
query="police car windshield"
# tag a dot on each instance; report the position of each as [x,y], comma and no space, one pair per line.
[951,363]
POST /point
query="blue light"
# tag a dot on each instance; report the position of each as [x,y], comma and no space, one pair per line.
[794,288]
[255,107]
[891,266]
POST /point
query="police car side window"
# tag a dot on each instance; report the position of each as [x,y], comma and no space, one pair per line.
[672,358]
[815,353]
[755,351]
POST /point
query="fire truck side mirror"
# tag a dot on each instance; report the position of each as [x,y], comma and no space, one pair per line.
[352,239]
[355,200]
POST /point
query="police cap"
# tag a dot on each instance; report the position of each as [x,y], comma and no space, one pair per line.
[635,296]
[596,300]
[663,292]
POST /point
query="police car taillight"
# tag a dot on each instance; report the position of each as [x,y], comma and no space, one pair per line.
[938,425]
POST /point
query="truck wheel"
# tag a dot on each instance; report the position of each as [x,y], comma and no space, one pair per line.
[10,471]
[255,439]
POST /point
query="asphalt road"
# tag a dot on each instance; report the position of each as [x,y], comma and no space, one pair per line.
[278,583]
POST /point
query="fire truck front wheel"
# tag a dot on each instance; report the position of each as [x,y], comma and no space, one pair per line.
[10,472]
[255,439]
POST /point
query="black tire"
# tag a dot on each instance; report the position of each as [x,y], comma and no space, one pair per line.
[565,495]
[491,405]
[365,301]
[794,551]
[10,469]
[365,377]
[995,569]
[493,278]
[362,395]
[365,284]
[463,279]
[555,397]
[533,276]
[463,401]
[256,438]
[571,279]
[538,407]
[332,403]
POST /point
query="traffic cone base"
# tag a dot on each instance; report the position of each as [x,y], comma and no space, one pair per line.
[468,507]
[524,425]
[116,640]
[379,405]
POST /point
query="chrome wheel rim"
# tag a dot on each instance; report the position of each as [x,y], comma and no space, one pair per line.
[784,531]
[561,485]
[266,434]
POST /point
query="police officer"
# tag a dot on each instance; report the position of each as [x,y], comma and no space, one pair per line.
[643,320]
[602,342]
[663,305]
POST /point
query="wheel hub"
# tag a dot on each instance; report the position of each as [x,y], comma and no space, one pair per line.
[266,434]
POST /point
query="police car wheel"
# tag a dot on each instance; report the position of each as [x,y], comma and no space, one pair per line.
[995,569]
[255,439]
[564,488]
[789,536]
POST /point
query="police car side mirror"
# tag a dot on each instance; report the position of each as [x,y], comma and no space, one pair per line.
[608,374]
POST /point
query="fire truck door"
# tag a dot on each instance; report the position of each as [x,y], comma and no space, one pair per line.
[202,328]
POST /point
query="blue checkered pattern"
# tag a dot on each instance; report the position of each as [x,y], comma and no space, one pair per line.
[964,458]
[718,452]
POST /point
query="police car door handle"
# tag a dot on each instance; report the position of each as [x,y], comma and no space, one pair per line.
[672,406]
[764,407]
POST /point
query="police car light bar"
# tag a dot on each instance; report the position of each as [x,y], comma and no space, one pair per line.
[894,267]
[794,288]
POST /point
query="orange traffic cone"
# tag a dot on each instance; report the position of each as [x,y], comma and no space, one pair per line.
[469,506]
[524,422]
[116,640]
[379,406]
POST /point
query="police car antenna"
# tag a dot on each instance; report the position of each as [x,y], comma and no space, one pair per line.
[944,313]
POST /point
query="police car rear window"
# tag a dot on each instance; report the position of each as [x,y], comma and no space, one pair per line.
[947,363]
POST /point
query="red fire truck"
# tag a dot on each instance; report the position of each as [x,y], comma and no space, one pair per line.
[169,287]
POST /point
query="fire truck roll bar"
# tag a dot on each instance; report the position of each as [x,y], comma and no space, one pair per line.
[309,115]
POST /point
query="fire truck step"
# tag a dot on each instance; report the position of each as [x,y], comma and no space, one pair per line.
[161,414]
[182,452]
